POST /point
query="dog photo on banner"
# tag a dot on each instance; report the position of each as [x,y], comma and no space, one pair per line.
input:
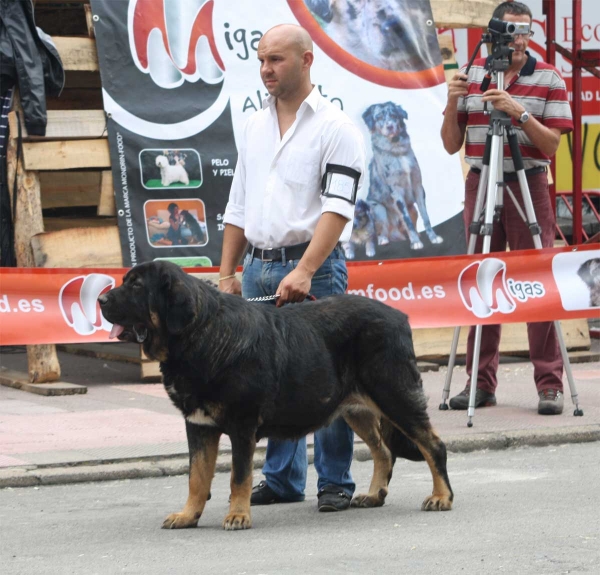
[181,77]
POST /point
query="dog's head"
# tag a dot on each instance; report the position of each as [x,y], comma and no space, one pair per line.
[186,215]
[386,119]
[156,302]
[162,161]
[362,214]
[589,272]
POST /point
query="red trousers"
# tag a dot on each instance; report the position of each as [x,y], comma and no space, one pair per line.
[544,350]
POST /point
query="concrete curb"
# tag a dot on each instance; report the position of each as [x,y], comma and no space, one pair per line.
[31,476]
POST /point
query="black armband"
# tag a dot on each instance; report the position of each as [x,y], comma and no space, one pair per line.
[340,182]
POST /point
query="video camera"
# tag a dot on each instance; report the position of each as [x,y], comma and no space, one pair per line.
[502,29]
[499,34]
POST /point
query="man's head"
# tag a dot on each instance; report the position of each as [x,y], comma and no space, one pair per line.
[516,12]
[285,53]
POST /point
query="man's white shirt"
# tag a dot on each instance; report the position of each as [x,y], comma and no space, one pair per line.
[276,191]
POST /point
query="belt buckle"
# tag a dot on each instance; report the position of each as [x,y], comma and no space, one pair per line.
[263,258]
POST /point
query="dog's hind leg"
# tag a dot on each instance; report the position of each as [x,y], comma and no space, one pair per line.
[365,424]
[433,450]
[433,237]
[415,240]
[243,444]
[203,443]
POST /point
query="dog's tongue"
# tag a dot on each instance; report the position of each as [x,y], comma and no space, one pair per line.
[116,331]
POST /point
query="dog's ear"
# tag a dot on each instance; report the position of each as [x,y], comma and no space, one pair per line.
[180,309]
[584,272]
[368,117]
[402,111]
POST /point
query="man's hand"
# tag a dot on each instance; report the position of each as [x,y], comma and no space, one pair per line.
[502,101]
[294,287]
[457,87]
[231,285]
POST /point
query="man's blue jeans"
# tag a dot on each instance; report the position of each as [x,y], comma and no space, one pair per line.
[287,461]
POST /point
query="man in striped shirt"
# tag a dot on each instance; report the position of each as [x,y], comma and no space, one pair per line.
[535,97]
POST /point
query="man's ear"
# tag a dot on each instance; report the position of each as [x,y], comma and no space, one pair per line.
[180,304]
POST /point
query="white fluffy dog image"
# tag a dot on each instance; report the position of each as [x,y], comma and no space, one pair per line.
[170,174]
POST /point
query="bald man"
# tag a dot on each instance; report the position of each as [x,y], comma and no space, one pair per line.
[300,166]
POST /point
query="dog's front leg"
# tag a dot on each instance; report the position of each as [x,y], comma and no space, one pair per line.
[203,443]
[243,443]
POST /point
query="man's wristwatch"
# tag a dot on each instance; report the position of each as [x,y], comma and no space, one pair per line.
[524,117]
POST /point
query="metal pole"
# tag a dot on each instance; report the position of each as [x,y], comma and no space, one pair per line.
[577,113]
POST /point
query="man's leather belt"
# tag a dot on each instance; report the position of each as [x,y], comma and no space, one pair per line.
[512,176]
[278,254]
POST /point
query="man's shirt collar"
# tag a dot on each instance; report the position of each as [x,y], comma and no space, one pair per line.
[311,100]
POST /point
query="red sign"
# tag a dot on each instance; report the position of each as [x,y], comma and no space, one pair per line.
[60,305]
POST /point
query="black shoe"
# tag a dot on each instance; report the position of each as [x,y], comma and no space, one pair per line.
[482,399]
[332,498]
[262,494]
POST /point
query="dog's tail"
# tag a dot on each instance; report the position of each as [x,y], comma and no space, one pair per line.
[398,443]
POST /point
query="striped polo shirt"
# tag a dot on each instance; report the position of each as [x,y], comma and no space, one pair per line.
[539,88]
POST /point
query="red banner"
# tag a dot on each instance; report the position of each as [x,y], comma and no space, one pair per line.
[60,305]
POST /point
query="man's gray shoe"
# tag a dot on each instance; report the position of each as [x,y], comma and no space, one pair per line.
[332,498]
[551,402]
[482,399]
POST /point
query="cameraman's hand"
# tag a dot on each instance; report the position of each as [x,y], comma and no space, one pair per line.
[502,101]
[457,87]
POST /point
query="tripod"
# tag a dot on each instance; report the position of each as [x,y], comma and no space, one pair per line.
[491,190]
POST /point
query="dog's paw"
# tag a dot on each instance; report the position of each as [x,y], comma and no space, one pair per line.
[416,246]
[436,503]
[383,241]
[370,251]
[435,239]
[236,521]
[365,500]
[180,521]
[348,251]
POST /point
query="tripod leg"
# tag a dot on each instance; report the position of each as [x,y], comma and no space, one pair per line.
[536,230]
[473,233]
[474,227]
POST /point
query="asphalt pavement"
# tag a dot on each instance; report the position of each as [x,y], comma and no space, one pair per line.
[121,428]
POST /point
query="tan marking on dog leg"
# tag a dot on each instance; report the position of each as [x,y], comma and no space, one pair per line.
[202,470]
[366,425]
[442,496]
[239,507]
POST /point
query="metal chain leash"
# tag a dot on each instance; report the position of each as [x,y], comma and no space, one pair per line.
[264,298]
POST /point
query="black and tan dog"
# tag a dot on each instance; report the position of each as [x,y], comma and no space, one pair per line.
[396,186]
[198,235]
[251,370]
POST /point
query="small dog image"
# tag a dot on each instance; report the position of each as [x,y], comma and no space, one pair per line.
[170,168]
[171,174]
[176,224]
[390,34]
[396,189]
[363,231]
[589,272]
[197,230]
